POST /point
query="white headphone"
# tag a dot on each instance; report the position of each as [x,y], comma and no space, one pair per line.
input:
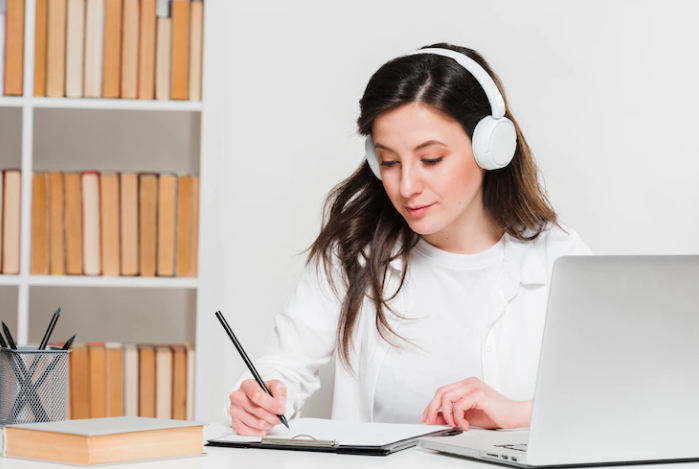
[494,138]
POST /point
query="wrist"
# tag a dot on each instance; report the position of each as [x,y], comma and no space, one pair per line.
[524,414]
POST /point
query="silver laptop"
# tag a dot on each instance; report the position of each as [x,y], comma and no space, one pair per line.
[618,378]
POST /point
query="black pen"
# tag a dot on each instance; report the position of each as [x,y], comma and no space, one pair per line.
[247,361]
[10,340]
[49,331]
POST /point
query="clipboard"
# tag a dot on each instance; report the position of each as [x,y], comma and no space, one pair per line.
[309,443]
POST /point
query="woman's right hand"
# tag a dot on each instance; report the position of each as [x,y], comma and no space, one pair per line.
[253,411]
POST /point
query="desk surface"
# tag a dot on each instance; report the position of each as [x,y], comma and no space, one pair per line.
[267,459]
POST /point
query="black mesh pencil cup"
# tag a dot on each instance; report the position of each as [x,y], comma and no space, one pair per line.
[33,384]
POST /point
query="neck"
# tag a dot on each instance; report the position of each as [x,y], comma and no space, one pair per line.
[472,232]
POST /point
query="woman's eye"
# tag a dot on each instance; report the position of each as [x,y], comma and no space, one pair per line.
[432,161]
[388,164]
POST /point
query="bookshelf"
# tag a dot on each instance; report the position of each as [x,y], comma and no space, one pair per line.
[30,147]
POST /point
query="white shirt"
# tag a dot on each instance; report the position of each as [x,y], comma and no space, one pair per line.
[304,337]
[452,311]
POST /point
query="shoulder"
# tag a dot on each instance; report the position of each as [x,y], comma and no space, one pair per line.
[558,240]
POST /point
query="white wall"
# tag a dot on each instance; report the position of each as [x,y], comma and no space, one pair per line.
[605,93]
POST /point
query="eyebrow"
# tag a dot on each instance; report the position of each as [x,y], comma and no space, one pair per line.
[419,147]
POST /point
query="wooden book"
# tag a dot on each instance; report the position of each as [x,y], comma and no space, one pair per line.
[98,380]
[194,261]
[180,49]
[146,50]
[75,40]
[14,47]
[167,195]
[73,224]
[2,53]
[56,49]
[109,217]
[184,226]
[11,221]
[129,224]
[146,374]
[40,27]
[179,382]
[131,380]
[115,380]
[104,441]
[91,223]
[196,40]
[79,369]
[191,360]
[163,382]
[147,223]
[129,50]
[163,58]
[57,264]
[111,74]
[40,224]
[94,47]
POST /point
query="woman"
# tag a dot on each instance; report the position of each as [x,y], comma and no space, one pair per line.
[429,279]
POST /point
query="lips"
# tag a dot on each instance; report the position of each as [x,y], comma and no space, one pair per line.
[417,207]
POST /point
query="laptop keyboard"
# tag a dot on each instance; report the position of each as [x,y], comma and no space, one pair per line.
[519,447]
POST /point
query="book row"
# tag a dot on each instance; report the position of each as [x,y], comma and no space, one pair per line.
[114,379]
[108,223]
[133,49]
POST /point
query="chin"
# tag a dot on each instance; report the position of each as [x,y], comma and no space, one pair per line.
[425,227]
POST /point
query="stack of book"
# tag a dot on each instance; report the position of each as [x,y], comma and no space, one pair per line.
[10,195]
[134,49]
[113,380]
[113,224]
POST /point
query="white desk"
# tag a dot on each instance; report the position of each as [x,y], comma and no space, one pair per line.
[230,458]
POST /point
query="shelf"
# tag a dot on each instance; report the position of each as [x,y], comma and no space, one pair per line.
[9,279]
[88,103]
[98,281]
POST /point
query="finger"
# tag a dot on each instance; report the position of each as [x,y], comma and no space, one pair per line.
[250,419]
[448,410]
[278,390]
[430,414]
[257,411]
[242,429]
[462,406]
[440,420]
[450,397]
[259,397]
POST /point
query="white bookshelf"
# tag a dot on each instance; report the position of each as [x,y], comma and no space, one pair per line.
[204,143]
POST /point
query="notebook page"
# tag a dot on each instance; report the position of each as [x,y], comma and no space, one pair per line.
[346,433]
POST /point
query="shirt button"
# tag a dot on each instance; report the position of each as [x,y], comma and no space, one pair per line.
[489,347]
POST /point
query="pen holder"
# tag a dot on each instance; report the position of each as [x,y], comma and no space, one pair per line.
[33,385]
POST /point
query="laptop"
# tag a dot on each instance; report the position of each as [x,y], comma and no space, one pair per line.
[618,378]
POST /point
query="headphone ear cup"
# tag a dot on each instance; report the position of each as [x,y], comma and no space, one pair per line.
[494,142]
[371,157]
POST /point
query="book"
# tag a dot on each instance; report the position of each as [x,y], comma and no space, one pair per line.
[79,370]
[146,375]
[163,382]
[179,382]
[40,224]
[91,223]
[75,40]
[115,379]
[147,224]
[14,47]
[163,46]
[146,50]
[184,225]
[191,361]
[98,379]
[129,50]
[109,228]
[73,223]
[94,47]
[111,73]
[2,198]
[105,440]
[56,49]
[40,25]
[131,380]
[179,85]
[167,206]
[194,257]
[11,221]
[57,261]
[196,40]
[2,50]
[129,224]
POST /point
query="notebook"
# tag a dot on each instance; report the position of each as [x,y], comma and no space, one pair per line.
[335,436]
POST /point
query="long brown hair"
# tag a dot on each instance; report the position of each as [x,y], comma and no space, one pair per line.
[362,231]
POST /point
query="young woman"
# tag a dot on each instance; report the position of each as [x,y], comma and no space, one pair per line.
[429,279]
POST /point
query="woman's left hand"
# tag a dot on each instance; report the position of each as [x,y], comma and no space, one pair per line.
[472,402]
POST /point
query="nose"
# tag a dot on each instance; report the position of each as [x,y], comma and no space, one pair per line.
[411,182]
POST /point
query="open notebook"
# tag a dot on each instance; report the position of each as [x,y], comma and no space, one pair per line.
[338,436]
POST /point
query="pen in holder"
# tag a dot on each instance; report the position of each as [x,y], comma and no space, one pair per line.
[33,385]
